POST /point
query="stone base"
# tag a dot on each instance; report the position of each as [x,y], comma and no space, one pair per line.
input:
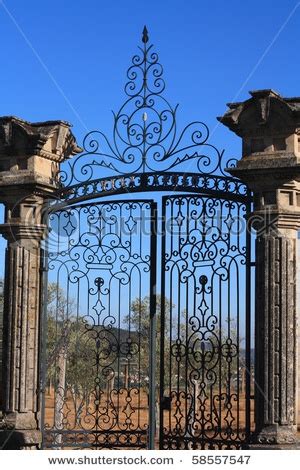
[20,439]
[276,438]
[295,446]
[18,431]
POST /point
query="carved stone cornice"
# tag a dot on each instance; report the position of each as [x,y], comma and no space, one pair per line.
[262,173]
[275,222]
[19,231]
[269,126]
[265,109]
[50,139]
[27,183]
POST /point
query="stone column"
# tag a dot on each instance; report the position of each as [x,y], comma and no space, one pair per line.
[270,129]
[30,155]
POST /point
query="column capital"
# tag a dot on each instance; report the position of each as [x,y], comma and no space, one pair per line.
[30,158]
[19,231]
[269,126]
[30,155]
[52,140]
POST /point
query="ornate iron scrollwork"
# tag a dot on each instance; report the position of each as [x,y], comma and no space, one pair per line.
[97,343]
[145,135]
[204,259]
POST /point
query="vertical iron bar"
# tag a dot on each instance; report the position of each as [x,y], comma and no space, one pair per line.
[248,322]
[152,359]
[162,326]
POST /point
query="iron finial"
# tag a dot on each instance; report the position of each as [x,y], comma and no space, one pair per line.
[145,37]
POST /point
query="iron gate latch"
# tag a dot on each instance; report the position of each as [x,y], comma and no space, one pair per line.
[166,403]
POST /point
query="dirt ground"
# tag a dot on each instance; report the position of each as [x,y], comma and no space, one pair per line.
[128,411]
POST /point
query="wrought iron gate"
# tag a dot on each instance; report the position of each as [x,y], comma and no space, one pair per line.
[147,335]
[99,317]
[205,324]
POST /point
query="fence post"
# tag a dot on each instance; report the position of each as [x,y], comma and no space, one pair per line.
[269,126]
[30,156]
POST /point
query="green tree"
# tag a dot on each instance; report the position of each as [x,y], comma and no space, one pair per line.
[139,321]
[70,354]
[217,349]
[69,335]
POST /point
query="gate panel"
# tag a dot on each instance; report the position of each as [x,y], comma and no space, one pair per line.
[96,381]
[205,324]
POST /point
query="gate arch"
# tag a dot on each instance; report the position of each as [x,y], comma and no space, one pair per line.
[147,331]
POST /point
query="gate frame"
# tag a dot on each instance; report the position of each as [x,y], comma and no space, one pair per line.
[188,187]
[57,207]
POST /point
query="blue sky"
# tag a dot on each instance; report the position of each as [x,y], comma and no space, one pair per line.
[60,56]
[208,49]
